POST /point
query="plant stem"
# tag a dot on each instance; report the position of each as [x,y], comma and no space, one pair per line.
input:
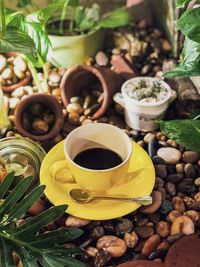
[71,22]
[4,120]
[2,20]
[45,70]
[62,18]
[35,76]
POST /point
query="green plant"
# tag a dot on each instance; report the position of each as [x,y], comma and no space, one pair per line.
[34,249]
[4,120]
[81,19]
[188,23]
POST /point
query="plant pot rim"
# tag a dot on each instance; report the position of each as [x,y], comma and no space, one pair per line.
[22,82]
[79,36]
[55,107]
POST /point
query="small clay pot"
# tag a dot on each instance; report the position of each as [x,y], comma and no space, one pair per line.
[79,78]
[22,82]
[48,101]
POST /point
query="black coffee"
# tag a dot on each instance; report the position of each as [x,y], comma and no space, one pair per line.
[98,159]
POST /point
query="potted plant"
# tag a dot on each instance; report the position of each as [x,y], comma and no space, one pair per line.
[77,32]
[33,43]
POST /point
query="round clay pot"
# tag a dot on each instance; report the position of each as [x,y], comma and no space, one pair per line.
[22,82]
[49,101]
[79,78]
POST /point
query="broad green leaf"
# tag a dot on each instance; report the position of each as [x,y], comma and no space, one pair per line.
[14,19]
[23,3]
[18,41]
[189,23]
[117,18]
[74,3]
[190,61]
[2,20]
[183,132]
[33,249]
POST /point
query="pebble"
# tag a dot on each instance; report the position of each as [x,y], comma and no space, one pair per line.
[190,170]
[149,137]
[54,77]
[75,108]
[170,188]
[157,200]
[166,46]
[152,147]
[166,207]
[102,59]
[13,102]
[186,186]
[158,160]
[179,168]
[3,62]
[197,181]
[131,239]
[151,244]
[19,92]
[169,154]
[161,170]
[20,63]
[124,226]
[144,231]
[159,183]
[175,178]
[7,74]
[190,156]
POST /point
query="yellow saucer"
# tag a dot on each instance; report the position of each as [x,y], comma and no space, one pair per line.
[141,185]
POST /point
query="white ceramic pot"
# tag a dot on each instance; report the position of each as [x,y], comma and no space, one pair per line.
[140,115]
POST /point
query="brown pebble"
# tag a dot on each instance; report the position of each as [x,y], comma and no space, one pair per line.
[179,168]
[40,126]
[144,231]
[157,200]
[190,156]
[131,239]
[178,204]
[37,208]
[163,228]
[151,244]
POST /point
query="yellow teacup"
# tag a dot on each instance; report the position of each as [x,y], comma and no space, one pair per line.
[96,135]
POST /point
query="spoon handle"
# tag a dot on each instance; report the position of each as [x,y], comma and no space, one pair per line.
[147,200]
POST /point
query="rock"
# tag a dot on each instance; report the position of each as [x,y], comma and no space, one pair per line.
[102,257]
[161,170]
[74,108]
[91,251]
[102,59]
[197,181]
[190,170]
[166,207]
[171,217]
[152,147]
[7,74]
[159,183]
[179,168]
[157,200]
[178,204]
[114,245]
[144,231]
[170,188]
[73,221]
[13,102]
[54,77]
[190,156]
[20,74]
[131,239]
[151,244]
[169,154]
[149,137]
[163,228]
[123,67]
[158,160]
[37,208]
[182,224]
[40,126]
[175,178]
[20,63]
[193,215]
[19,92]
[186,186]
[124,226]
[97,232]
[166,46]
[3,63]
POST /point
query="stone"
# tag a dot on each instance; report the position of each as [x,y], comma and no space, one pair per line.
[156,203]
[190,170]
[102,59]
[158,160]
[197,181]
[169,154]
[124,226]
[149,137]
[13,102]
[175,178]
[144,231]
[54,77]
[161,170]
[186,186]
[190,156]
[123,67]
[152,147]
[170,188]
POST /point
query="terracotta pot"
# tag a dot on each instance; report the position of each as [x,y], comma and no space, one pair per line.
[22,82]
[49,101]
[79,78]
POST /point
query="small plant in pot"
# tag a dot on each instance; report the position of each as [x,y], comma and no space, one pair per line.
[33,43]
[77,32]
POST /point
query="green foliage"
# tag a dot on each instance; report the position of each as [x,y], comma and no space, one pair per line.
[23,3]
[33,249]
[183,132]
[188,23]
[118,18]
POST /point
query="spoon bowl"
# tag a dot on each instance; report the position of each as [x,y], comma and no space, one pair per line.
[83,196]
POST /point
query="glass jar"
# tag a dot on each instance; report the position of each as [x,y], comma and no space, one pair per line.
[21,155]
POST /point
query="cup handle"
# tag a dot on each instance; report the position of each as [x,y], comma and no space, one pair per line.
[60,172]
[118,98]
[173,96]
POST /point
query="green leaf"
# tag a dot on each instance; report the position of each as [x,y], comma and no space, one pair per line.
[182,3]
[4,186]
[33,248]
[14,19]
[18,41]
[188,23]
[23,3]
[117,18]
[183,132]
